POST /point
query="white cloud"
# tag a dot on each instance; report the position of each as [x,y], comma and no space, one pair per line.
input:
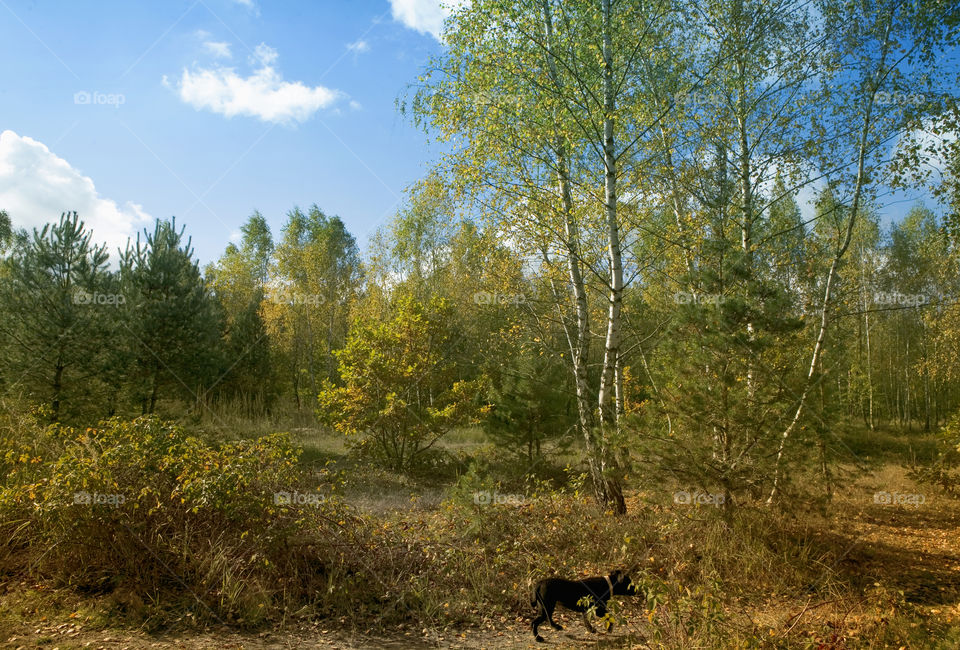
[36,185]
[359,46]
[264,94]
[264,55]
[218,49]
[425,16]
[806,199]
[355,105]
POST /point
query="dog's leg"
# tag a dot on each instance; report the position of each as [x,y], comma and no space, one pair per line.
[536,623]
[545,611]
[553,623]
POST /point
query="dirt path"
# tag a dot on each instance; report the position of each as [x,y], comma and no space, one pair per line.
[515,635]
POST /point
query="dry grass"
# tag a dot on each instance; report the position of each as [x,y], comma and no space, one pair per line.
[418,559]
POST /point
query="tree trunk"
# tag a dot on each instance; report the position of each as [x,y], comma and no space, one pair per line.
[57,388]
[612,363]
[828,289]
[746,208]
[578,340]
[296,386]
[866,329]
[926,379]
[155,391]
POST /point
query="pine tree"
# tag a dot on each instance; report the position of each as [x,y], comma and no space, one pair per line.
[174,322]
[60,310]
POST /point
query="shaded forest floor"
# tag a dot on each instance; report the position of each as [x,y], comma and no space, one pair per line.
[899,566]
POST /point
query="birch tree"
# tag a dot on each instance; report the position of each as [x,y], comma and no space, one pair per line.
[546,100]
[877,52]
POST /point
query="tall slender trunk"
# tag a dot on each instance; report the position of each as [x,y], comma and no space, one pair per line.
[296,386]
[311,356]
[866,327]
[822,447]
[330,360]
[675,202]
[155,391]
[926,378]
[578,340]
[828,288]
[57,388]
[611,373]
[746,208]
[908,395]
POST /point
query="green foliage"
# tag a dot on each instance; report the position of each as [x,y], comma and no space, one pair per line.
[531,400]
[944,470]
[725,373]
[400,390]
[142,506]
[725,290]
[6,231]
[315,281]
[174,323]
[61,309]
[239,282]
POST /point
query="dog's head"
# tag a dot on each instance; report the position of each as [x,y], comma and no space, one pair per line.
[622,585]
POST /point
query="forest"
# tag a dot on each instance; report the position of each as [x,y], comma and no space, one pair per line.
[658,305]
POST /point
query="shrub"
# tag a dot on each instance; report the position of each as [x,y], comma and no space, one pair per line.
[139,506]
[402,392]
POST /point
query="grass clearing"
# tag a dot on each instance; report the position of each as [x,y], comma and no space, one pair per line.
[402,559]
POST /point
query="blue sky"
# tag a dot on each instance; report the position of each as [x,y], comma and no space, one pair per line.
[208,110]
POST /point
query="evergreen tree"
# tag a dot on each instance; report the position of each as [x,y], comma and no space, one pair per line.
[174,324]
[531,400]
[60,310]
[6,232]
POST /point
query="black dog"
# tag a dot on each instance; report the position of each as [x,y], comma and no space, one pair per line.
[578,595]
